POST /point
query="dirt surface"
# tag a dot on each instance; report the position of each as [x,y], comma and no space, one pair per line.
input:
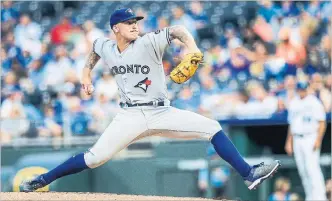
[50,196]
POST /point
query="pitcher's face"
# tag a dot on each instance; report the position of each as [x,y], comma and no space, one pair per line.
[128,29]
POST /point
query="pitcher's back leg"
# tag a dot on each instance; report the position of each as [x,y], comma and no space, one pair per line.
[125,127]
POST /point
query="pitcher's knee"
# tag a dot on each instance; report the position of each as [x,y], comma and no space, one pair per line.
[93,160]
[215,128]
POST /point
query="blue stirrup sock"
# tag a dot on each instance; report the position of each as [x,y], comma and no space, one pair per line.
[227,151]
[73,165]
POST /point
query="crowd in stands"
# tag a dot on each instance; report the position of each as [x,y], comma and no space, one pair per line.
[250,70]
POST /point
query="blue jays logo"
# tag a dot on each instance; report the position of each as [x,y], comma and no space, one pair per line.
[129,11]
[144,84]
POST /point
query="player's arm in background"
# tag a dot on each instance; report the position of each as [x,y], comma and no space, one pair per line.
[182,34]
[92,60]
[320,116]
[321,133]
[289,140]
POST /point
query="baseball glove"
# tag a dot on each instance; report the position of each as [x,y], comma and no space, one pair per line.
[187,68]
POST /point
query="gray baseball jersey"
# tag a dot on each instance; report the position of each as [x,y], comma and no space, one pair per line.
[138,70]
[140,76]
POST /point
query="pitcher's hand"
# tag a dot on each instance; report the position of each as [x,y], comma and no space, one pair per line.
[87,86]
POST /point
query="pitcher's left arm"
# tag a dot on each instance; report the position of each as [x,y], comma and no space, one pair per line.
[189,64]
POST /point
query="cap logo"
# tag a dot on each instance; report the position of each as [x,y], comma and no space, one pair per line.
[129,11]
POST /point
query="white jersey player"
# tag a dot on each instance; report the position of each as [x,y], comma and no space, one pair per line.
[306,117]
[136,64]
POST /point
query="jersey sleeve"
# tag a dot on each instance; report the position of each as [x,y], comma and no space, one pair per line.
[156,42]
[319,112]
[98,45]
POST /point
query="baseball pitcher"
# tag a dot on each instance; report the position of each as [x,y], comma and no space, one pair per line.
[136,64]
[306,117]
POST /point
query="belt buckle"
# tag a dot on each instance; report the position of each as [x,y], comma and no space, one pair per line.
[155,103]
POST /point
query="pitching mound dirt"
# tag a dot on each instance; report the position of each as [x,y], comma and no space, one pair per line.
[50,196]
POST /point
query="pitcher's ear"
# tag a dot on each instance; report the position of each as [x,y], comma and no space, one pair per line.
[115,29]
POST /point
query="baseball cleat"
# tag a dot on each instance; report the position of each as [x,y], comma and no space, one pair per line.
[261,172]
[33,184]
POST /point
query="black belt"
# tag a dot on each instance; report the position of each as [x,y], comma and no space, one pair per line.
[152,103]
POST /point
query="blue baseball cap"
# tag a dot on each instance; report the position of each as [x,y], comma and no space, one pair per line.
[122,15]
[302,85]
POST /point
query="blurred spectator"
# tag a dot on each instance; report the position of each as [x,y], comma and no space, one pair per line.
[92,32]
[317,88]
[320,57]
[181,18]
[28,35]
[313,8]
[219,177]
[293,54]
[13,114]
[263,29]
[46,53]
[102,112]
[210,98]
[281,190]
[308,26]
[78,41]
[249,37]
[149,23]
[13,51]
[37,73]
[79,121]
[230,39]
[60,31]
[57,70]
[198,14]
[238,66]
[256,57]
[51,127]
[5,62]
[289,91]
[107,86]
[267,10]
[187,100]
[215,57]
[326,11]
[32,99]
[8,13]
[9,16]
[9,84]
[289,9]
[276,69]
[261,104]
[162,22]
